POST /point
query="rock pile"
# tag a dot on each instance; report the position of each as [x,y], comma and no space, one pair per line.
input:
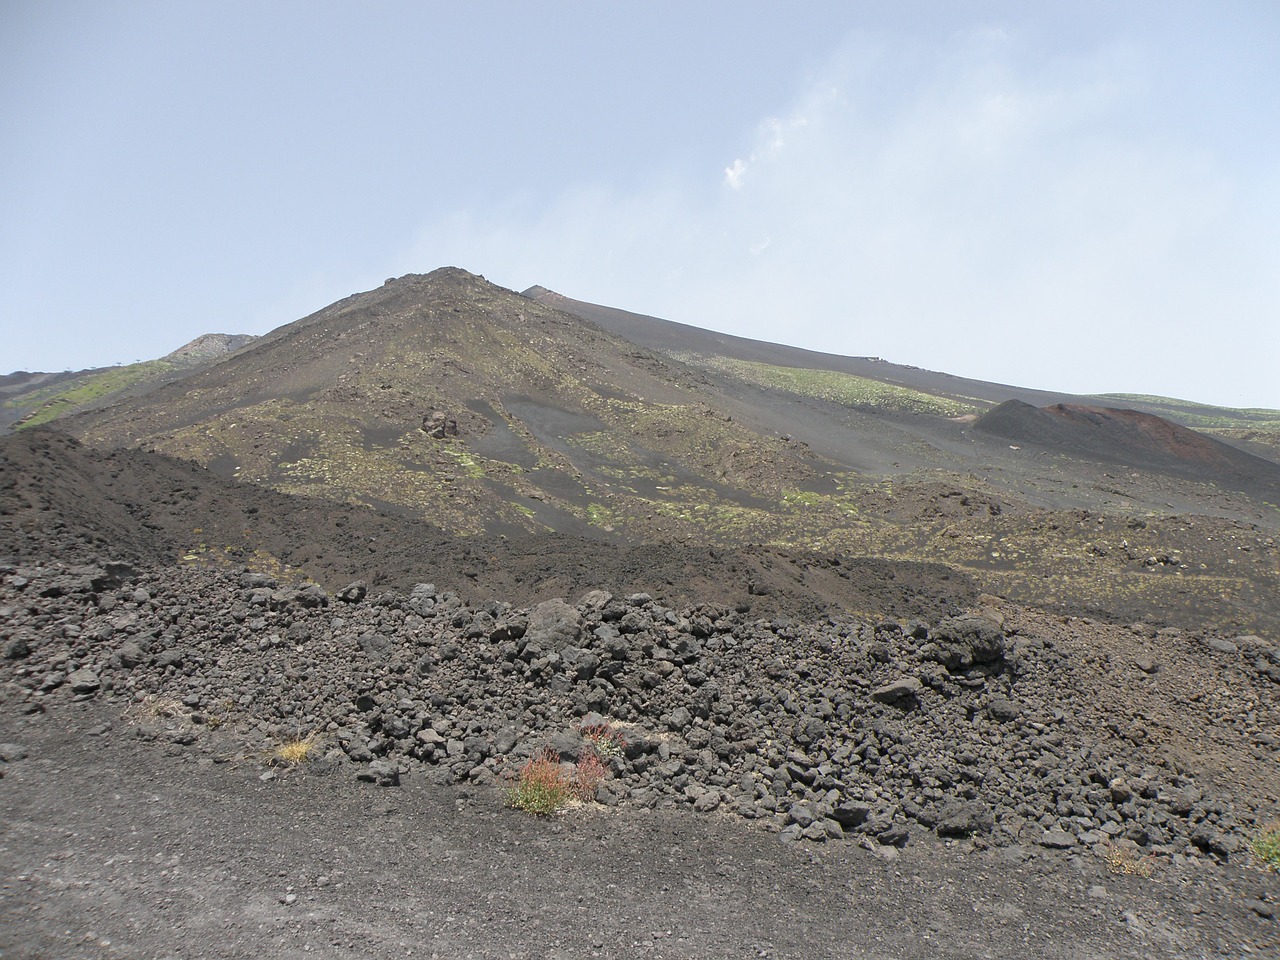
[819,729]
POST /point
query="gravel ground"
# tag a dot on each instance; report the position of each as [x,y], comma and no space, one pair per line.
[116,848]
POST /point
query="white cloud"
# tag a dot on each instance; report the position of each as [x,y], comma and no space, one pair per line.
[970,207]
[735,172]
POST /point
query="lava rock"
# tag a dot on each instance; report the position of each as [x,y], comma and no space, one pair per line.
[959,643]
[129,655]
[1057,839]
[553,625]
[962,819]
[12,752]
[385,773]
[1002,710]
[353,592]
[83,681]
[902,690]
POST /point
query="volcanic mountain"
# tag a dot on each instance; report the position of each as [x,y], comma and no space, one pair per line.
[448,399]
[1133,439]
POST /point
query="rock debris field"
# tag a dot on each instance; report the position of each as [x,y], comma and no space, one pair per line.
[998,728]
[974,726]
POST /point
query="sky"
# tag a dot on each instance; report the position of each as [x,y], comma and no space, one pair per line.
[1074,196]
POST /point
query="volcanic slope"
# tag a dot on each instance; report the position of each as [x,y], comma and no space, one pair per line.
[449,398]
[1130,437]
[874,383]
[669,337]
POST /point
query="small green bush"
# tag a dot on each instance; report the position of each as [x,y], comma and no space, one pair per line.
[541,787]
[1266,846]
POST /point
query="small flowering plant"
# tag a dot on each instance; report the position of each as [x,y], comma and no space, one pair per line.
[541,787]
[588,775]
[605,740]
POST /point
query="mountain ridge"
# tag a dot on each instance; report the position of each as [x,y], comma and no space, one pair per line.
[29,399]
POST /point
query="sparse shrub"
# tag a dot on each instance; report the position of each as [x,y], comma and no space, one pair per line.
[541,787]
[1266,846]
[588,775]
[606,741]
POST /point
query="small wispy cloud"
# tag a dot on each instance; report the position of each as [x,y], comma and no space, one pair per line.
[735,173]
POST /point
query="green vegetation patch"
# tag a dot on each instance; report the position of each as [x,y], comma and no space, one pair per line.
[68,396]
[1200,415]
[1266,846]
[842,388]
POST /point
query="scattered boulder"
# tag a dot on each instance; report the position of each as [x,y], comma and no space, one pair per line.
[170,658]
[553,625]
[1002,710]
[959,643]
[1057,839]
[353,592]
[129,655]
[707,802]
[385,773]
[83,681]
[438,425]
[898,691]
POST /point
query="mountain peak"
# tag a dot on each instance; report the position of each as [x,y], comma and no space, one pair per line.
[209,346]
[542,294]
[436,275]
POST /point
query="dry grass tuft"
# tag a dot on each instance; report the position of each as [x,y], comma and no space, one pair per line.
[292,753]
[163,708]
[1121,860]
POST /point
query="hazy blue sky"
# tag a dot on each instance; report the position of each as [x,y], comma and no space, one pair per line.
[1080,196]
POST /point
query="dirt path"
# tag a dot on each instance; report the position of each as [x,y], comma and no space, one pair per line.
[115,848]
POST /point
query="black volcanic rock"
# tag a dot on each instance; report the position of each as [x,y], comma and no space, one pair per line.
[797,727]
